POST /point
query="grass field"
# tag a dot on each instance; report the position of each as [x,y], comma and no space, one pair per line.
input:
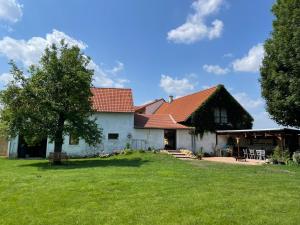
[147,188]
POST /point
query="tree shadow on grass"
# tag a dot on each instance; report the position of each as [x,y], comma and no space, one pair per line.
[89,163]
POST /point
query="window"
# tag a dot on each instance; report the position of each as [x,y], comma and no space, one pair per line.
[220,115]
[73,139]
[217,115]
[113,136]
[223,116]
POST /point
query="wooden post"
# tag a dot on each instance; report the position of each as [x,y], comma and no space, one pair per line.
[281,144]
[238,145]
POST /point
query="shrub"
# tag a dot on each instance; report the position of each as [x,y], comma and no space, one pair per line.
[127,151]
[155,151]
[280,156]
[296,157]
[199,154]
[142,151]
[128,145]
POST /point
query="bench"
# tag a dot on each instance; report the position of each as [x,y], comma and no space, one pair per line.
[57,157]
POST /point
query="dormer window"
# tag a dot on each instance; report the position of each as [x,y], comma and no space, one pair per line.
[220,115]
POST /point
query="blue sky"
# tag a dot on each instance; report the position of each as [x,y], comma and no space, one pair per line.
[155,47]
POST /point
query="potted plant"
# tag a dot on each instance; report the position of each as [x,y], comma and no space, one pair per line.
[199,154]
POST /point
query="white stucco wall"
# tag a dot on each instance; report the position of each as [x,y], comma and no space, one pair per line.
[120,123]
[13,147]
[123,124]
[208,142]
[184,139]
[154,138]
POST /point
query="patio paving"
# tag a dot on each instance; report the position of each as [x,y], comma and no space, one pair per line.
[233,161]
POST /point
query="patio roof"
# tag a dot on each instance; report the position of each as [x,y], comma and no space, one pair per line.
[257,132]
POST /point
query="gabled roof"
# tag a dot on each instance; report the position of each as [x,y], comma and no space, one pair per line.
[158,121]
[182,108]
[112,100]
[147,104]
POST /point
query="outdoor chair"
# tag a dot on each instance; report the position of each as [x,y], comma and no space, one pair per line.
[245,151]
[251,154]
[261,154]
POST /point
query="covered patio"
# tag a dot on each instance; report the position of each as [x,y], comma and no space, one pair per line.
[257,141]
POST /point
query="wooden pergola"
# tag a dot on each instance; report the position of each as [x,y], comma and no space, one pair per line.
[281,134]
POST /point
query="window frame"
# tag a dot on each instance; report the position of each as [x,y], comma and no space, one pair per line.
[220,116]
[116,136]
[73,139]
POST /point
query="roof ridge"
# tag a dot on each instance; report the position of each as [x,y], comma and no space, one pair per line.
[149,103]
[111,88]
[171,117]
[196,92]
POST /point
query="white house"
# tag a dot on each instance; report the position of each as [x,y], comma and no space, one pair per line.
[156,125]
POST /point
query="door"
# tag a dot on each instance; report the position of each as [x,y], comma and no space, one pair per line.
[170,139]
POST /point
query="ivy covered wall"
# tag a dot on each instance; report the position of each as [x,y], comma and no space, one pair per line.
[203,118]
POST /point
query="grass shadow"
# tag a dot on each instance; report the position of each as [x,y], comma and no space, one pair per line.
[89,163]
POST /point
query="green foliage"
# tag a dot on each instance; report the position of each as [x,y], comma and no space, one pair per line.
[280,155]
[127,151]
[296,157]
[280,72]
[203,118]
[128,146]
[54,101]
[199,154]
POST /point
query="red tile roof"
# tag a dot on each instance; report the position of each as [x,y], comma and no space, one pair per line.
[147,104]
[158,121]
[182,108]
[112,100]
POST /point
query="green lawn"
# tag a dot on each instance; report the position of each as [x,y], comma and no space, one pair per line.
[147,188]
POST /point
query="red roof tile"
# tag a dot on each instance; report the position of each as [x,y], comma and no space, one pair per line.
[112,100]
[158,121]
[182,108]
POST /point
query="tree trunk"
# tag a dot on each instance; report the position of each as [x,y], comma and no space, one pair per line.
[58,141]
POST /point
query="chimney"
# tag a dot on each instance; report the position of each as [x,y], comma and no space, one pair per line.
[171,98]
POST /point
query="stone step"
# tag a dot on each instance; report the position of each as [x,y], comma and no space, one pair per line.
[176,153]
[182,157]
[172,151]
[179,155]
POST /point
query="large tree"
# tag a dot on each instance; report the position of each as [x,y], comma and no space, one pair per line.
[280,72]
[53,100]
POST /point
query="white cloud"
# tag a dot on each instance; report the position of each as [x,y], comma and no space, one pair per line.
[29,52]
[5,78]
[247,102]
[10,10]
[102,78]
[116,69]
[175,86]
[215,69]
[252,61]
[206,86]
[195,28]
